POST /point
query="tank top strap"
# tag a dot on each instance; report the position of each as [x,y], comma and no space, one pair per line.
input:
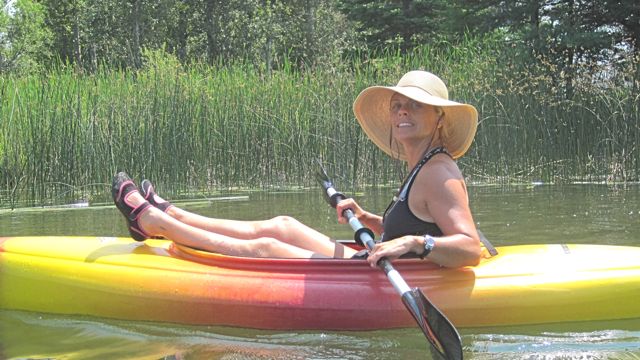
[407,183]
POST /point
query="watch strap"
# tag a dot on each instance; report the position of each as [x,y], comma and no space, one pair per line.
[429,243]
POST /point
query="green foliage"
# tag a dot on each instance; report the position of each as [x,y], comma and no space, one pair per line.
[574,40]
[208,95]
[267,32]
[23,38]
[305,34]
[201,128]
[401,24]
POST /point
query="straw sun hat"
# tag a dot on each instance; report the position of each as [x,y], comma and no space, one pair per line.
[372,111]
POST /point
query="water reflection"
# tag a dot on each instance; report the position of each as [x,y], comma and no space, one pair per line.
[30,335]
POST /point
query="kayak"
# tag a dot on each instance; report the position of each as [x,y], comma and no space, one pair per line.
[157,280]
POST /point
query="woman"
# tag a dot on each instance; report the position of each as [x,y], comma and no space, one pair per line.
[413,121]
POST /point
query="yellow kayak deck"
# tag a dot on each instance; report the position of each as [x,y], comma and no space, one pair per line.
[158,281]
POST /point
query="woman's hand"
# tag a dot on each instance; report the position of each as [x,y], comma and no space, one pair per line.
[369,220]
[351,204]
[395,248]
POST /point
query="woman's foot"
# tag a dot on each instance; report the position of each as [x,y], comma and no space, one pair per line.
[149,194]
[123,191]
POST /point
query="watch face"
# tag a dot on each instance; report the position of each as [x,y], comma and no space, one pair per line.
[428,243]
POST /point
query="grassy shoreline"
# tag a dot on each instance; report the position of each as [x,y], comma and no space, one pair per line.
[64,134]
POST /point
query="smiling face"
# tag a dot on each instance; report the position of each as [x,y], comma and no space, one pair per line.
[412,122]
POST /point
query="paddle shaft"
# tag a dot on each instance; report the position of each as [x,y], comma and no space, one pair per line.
[396,280]
[442,335]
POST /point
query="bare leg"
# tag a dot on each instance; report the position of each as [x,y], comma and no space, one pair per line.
[156,223]
[283,228]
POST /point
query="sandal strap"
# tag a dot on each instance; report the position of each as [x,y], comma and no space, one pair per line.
[121,196]
[163,206]
[149,194]
[135,213]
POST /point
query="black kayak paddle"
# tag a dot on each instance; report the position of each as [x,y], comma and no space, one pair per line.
[442,335]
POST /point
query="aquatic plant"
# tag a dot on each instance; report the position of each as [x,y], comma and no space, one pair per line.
[199,129]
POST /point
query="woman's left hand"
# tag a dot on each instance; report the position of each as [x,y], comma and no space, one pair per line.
[393,249]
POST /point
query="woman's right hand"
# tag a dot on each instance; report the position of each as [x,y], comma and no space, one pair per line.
[345,204]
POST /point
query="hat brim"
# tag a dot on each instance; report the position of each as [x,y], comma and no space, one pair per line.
[371,108]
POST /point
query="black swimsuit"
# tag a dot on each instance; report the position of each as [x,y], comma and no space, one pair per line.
[398,219]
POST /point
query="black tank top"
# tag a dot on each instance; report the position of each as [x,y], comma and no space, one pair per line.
[398,219]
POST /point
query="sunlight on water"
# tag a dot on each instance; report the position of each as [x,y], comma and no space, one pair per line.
[597,345]
[621,341]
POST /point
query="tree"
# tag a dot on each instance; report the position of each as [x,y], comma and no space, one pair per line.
[402,24]
[622,19]
[569,36]
[23,36]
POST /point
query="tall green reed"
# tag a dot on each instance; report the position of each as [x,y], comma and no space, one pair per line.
[195,130]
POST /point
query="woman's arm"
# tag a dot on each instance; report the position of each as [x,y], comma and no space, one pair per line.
[439,193]
[370,220]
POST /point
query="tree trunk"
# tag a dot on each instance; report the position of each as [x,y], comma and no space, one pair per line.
[181,35]
[268,46]
[210,28]
[570,60]
[535,21]
[406,34]
[310,25]
[77,48]
[636,62]
[94,58]
[136,35]
[268,54]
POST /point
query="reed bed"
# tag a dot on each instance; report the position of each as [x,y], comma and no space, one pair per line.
[198,130]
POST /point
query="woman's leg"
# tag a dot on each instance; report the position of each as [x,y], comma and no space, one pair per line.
[283,228]
[157,223]
[154,222]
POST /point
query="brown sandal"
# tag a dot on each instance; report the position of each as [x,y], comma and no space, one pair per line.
[121,187]
[149,194]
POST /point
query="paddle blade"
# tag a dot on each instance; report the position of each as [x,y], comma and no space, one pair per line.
[442,335]
[325,183]
[323,180]
[322,177]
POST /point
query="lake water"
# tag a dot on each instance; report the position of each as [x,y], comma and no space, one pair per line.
[591,214]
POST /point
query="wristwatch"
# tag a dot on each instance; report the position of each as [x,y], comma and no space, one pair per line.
[429,243]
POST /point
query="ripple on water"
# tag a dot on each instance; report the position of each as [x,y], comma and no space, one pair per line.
[597,344]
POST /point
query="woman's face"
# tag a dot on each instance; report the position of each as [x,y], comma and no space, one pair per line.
[411,119]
